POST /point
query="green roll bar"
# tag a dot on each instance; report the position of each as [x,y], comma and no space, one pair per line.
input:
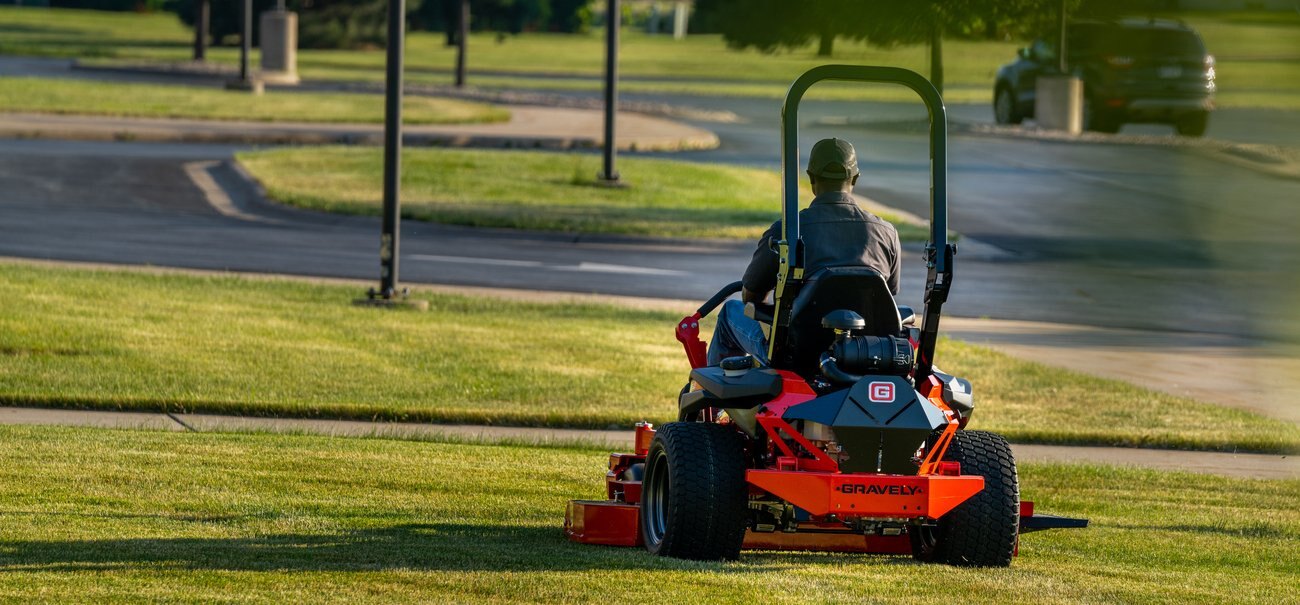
[939,252]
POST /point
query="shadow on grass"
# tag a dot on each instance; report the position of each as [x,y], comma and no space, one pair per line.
[431,547]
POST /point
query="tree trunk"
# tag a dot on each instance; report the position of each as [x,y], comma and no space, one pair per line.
[825,44]
[451,20]
[936,57]
[462,39]
[201,14]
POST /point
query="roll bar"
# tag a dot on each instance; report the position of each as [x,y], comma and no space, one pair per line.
[938,253]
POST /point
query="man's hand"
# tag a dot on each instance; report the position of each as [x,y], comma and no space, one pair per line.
[746,295]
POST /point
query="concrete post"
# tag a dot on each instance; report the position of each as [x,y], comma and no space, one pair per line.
[680,13]
[1058,103]
[280,47]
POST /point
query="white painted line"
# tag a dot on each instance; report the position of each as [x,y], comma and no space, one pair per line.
[469,260]
[584,267]
[606,268]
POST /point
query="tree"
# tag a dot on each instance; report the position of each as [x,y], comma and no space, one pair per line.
[771,24]
[321,23]
[506,16]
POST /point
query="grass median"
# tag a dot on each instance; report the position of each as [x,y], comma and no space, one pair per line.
[143,341]
[1256,53]
[115,516]
[535,190]
[47,95]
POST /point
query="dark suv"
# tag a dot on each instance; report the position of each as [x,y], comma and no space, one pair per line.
[1150,70]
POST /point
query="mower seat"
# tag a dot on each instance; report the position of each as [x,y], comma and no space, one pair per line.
[856,289]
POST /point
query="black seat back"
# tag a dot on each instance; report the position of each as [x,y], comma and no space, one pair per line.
[857,289]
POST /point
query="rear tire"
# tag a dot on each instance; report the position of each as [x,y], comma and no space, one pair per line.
[1004,107]
[1193,125]
[982,531]
[694,498]
[1099,120]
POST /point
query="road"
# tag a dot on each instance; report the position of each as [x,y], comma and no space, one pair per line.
[1094,234]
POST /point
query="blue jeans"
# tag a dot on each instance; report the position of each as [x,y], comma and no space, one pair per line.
[736,334]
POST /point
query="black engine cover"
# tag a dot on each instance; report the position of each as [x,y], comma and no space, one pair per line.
[879,422]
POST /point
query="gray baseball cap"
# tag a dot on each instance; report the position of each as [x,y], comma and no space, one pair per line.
[833,159]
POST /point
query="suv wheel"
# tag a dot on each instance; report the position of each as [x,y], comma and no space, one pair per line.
[1099,120]
[1004,107]
[1193,125]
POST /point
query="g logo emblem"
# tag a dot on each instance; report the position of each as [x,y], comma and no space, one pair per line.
[881,392]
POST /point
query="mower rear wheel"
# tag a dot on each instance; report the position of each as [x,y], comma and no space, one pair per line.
[982,531]
[693,497]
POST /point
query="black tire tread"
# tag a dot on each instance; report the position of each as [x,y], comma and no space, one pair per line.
[1193,125]
[707,504]
[982,531]
[1015,116]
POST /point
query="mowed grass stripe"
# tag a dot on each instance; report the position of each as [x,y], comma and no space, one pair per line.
[141,341]
[115,516]
[57,96]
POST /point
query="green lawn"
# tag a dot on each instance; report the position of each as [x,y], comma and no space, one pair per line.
[116,516]
[45,95]
[1252,49]
[535,190]
[141,341]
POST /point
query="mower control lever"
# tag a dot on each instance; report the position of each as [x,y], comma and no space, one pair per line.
[717,299]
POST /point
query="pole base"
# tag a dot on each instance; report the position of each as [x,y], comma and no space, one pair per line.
[250,85]
[606,181]
[393,303]
[391,300]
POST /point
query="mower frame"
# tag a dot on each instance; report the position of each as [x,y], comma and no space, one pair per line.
[872,512]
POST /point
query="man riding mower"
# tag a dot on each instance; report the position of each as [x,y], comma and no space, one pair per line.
[835,432]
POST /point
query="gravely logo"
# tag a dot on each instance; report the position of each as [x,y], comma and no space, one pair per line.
[880,490]
[881,392]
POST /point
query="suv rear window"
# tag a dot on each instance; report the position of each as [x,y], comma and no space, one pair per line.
[1137,42]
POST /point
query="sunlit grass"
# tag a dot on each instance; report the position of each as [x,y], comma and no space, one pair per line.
[543,191]
[47,95]
[139,341]
[117,516]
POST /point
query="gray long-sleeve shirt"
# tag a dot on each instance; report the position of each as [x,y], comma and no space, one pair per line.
[836,232]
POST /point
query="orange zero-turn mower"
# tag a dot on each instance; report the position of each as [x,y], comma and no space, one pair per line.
[849,440]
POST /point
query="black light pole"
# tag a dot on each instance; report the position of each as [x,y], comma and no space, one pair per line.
[246,40]
[462,42]
[612,18]
[1061,53]
[201,12]
[388,241]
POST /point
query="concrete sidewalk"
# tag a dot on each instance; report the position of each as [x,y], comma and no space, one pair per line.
[1214,368]
[529,127]
[1259,466]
